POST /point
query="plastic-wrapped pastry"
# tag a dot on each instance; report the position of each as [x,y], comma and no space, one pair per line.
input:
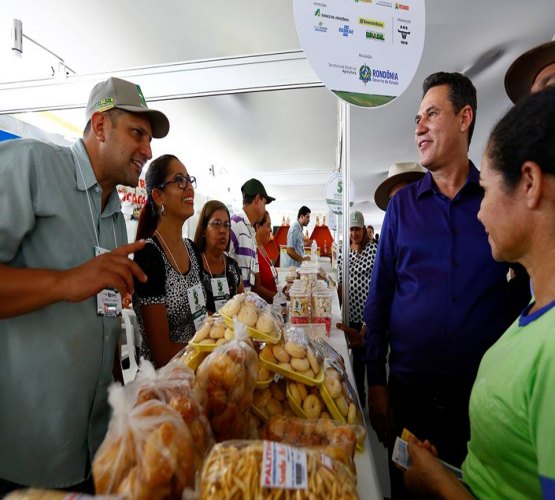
[225,384]
[244,469]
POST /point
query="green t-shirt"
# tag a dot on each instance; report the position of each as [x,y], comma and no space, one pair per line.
[511,453]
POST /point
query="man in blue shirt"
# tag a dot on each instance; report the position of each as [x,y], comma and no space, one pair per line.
[295,240]
[437,298]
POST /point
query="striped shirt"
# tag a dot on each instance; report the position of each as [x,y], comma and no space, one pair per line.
[242,247]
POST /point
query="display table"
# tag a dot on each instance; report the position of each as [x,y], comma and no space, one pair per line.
[368,485]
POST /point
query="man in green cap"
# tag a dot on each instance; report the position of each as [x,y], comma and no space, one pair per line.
[63,254]
[242,246]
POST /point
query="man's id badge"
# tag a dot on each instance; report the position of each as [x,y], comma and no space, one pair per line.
[108,301]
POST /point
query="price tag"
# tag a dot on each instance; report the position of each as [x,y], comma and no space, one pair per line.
[283,467]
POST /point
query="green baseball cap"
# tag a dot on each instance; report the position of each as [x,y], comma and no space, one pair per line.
[253,187]
[357,219]
[121,94]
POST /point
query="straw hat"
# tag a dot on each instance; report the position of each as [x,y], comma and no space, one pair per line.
[398,172]
[521,74]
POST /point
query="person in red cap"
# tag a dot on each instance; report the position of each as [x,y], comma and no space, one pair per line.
[59,330]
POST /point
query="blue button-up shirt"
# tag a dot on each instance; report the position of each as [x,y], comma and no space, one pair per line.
[294,240]
[437,298]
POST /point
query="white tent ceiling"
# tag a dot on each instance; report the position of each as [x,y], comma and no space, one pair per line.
[286,138]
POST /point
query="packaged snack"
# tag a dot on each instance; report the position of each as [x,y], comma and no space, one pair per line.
[340,397]
[321,307]
[224,384]
[295,358]
[306,402]
[327,351]
[213,332]
[265,469]
[339,439]
[148,451]
[271,400]
[253,311]
[299,306]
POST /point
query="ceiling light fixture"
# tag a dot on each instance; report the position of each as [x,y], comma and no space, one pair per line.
[17,37]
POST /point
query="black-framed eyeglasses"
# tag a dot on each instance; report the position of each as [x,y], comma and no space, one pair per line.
[182,181]
[218,224]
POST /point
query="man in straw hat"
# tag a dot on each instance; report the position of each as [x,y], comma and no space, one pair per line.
[437,299]
[59,332]
[399,175]
[531,72]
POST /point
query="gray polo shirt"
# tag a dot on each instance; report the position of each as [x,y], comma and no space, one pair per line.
[56,362]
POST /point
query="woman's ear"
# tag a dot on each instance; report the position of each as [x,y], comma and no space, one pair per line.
[157,196]
[532,182]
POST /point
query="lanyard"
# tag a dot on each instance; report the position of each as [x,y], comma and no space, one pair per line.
[90,207]
[208,265]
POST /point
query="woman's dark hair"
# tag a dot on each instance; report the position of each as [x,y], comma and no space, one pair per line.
[262,221]
[156,174]
[208,210]
[525,133]
[461,93]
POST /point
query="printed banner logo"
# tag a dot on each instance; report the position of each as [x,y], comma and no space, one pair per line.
[404,31]
[374,35]
[346,31]
[364,74]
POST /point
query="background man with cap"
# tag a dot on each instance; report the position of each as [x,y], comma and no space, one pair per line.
[437,298]
[399,175]
[531,72]
[295,240]
[361,263]
[242,246]
[58,353]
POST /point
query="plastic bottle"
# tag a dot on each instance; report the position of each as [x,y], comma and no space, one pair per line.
[313,251]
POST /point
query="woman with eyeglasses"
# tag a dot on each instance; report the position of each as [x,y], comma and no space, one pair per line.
[268,273]
[171,305]
[221,275]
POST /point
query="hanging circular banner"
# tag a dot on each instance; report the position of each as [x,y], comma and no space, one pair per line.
[334,193]
[364,51]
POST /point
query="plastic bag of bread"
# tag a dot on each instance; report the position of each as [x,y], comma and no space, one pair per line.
[337,439]
[224,384]
[173,384]
[255,313]
[148,452]
[270,470]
